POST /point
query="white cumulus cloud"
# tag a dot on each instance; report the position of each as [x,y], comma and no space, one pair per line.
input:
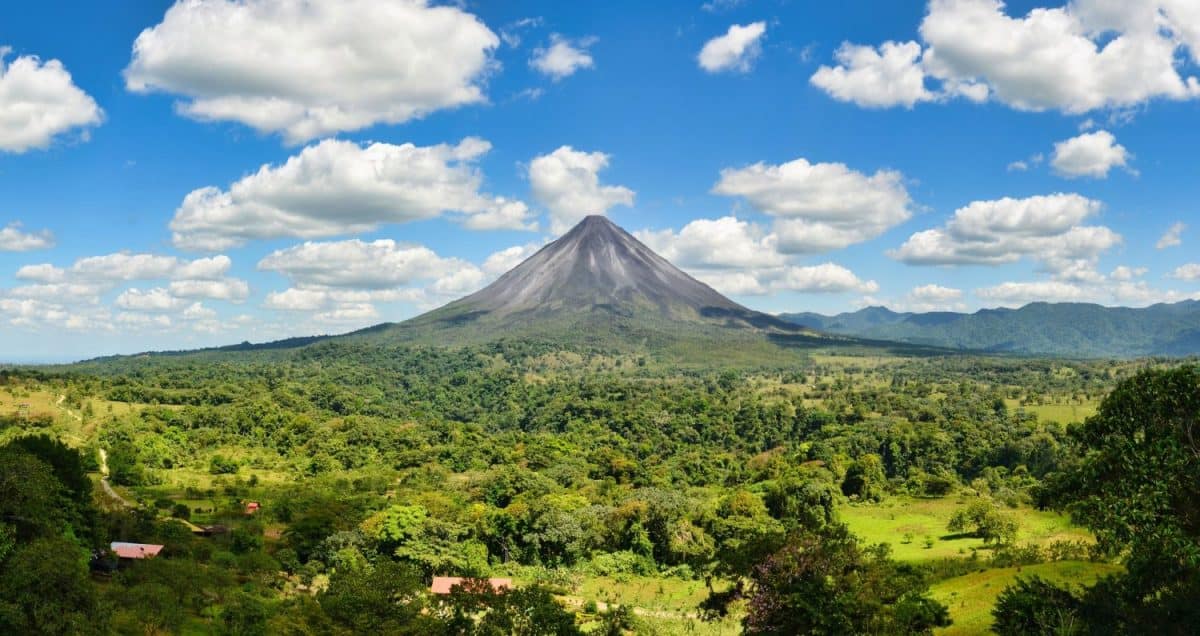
[358,264]
[567,182]
[1091,154]
[1172,237]
[13,239]
[820,206]
[313,68]
[1189,272]
[563,57]
[734,51]
[1083,56]
[39,102]
[889,76]
[340,187]
[1048,229]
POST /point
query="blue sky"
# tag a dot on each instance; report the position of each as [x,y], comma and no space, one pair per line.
[182,176]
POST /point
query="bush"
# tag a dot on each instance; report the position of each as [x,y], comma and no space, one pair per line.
[1036,606]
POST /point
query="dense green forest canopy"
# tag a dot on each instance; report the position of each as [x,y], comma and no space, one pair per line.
[378,468]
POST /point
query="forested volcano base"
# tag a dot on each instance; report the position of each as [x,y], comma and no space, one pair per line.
[319,491]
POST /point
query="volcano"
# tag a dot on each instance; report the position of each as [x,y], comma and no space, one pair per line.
[593,282]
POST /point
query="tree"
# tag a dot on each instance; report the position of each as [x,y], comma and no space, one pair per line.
[825,583]
[45,589]
[983,519]
[476,608]
[1134,485]
[865,479]
[384,599]
[244,615]
[1036,607]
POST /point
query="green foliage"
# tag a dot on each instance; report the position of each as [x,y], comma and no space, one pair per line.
[1036,607]
[45,589]
[385,599]
[865,479]
[1135,486]
[824,583]
[984,519]
[474,608]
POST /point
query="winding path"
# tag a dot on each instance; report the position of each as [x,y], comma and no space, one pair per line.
[108,489]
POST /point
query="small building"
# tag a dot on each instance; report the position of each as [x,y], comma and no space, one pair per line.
[129,551]
[443,584]
[252,507]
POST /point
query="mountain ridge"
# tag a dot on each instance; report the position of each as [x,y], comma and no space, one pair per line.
[1040,328]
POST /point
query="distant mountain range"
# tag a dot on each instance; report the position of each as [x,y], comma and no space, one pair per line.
[1060,329]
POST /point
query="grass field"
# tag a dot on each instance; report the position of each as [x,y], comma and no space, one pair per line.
[890,521]
[971,597]
[665,606]
[1058,413]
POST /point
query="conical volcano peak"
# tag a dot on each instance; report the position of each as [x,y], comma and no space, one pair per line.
[597,264]
[594,274]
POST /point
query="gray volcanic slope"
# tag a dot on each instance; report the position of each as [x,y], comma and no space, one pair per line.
[596,276]
[595,264]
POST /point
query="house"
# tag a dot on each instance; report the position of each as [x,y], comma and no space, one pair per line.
[126,551]
[252,507]
[443,584]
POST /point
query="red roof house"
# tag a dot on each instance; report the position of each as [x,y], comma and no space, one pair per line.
[442,584]
[125,550]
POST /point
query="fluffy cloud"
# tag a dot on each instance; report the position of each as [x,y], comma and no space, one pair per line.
[824,278]
[1172,237]
[1020,293]
[344,280]
[38,102]
[124,266]
[357,264]
[563,57]
[506,259]
[230,289]
[1087,55]
[889,76]
[734,51]
[1046,228]
[1089,155]
[61,293]
[1189,272]
[933,298]
[77,292]
[1126,273]
[740,258]
[567,182]
[12,239]
[821,206]
[721,243]
[339,187]
[311,69]
[157,299]
[1109,292]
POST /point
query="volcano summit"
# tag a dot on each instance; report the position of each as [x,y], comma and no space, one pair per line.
[596,280]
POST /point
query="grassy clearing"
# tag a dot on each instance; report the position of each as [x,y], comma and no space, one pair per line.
[891,521]
[649,593]
[971,597]
[1058,413]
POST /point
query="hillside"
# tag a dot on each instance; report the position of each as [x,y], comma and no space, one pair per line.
[1061,329]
